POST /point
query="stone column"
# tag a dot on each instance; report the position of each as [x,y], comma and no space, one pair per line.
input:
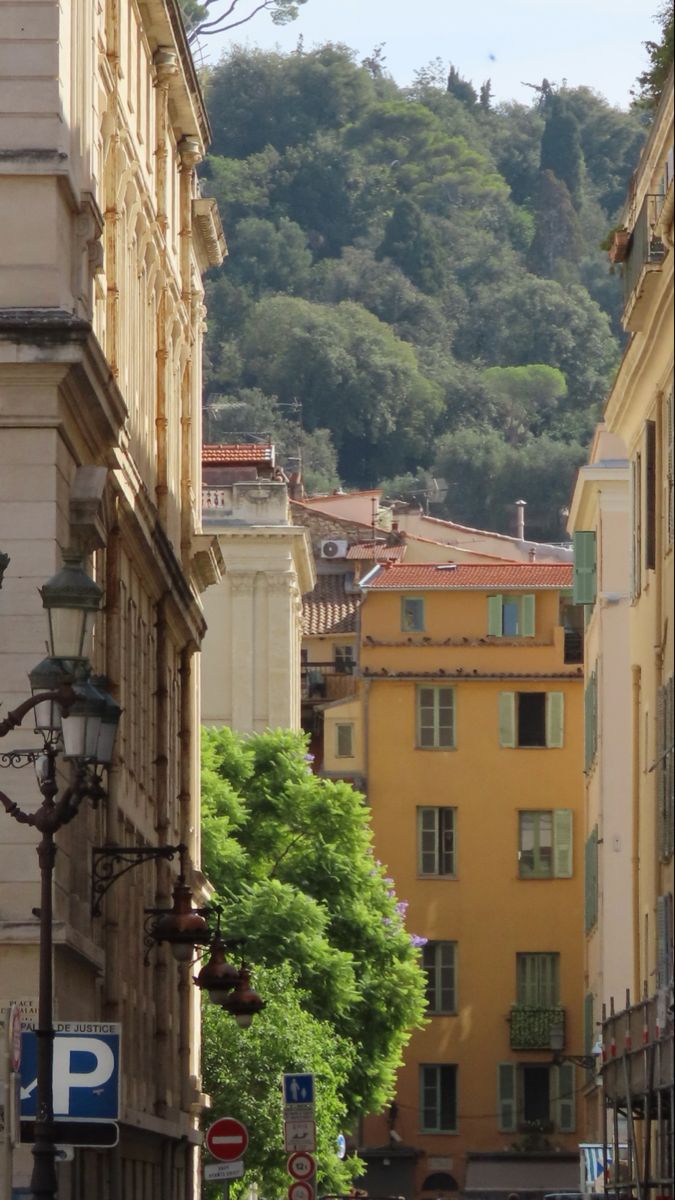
[243,648]
[281,649]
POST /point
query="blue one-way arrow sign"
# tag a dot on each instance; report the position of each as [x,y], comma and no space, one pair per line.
[298,1089]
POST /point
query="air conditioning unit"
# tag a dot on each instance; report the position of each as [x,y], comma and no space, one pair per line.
[333,548]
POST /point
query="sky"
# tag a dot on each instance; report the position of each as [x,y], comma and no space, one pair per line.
[598,43]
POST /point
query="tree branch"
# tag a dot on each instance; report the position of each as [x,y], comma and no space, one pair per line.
[215,26]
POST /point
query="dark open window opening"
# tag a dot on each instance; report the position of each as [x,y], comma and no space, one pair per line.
[531,718]
[536,1094]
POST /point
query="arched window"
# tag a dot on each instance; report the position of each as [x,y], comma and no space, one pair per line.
[440,1181]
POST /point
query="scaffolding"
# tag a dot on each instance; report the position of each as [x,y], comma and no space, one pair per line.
[637,1080]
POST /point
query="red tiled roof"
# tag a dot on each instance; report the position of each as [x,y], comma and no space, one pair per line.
[236,454]
[329,608]
[376,551]
[469,576]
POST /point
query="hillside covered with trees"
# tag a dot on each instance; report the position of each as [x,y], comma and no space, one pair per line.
[416,286]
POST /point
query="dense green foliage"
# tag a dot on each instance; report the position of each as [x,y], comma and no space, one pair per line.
[389,249]
[290,856]
[653,81]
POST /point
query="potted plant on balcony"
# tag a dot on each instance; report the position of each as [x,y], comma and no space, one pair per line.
[617,243]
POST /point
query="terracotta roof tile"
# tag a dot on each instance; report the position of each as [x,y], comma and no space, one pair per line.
[376,552]
[329,608]
[236,454]
[469,576]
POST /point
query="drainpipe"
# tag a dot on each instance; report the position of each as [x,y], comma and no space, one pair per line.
[635,859]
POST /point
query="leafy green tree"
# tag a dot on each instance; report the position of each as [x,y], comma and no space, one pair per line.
[410,242]
[461,88]
[291,859]
[653,80]
[242,1073]
[268,256]
[486,476]
[354,376]
[561,150]
[205,17]
[523,399]
[557,232]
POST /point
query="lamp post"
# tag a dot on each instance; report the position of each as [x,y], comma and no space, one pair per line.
[69,713]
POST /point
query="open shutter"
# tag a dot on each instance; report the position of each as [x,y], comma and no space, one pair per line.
[650,496]
[495,616]
[507,719]
[564,1090]
[664,936]
[527,616]
[562,843]
[636,526]
[506,1097]
[555,719]
[585,567]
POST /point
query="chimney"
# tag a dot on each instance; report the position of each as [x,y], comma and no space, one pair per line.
[520,519]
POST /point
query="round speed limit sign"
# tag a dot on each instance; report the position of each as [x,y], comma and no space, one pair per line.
[301,1165]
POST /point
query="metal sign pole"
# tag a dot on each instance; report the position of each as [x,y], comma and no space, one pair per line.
[226,1189]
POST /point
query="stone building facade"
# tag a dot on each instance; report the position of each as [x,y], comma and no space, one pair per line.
[103,241]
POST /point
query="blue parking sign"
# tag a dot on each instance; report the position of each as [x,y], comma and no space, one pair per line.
[86,1071]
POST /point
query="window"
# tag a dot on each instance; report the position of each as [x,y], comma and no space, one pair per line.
[669,481]
[438,1098]
[436,841]
[412,614]
[664,941]
[538,980]
[435,718]
[591,881]
[439,960]
[545,844]
[511,616]
[650,495]
[344,659]
[536,1093]
[528,719]
[590,721]
[585,567]
[665,770]
[636,518]
[344,740]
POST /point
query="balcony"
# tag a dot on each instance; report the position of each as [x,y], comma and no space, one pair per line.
[249,502]
[326,681]
[645,256]
[531,1026]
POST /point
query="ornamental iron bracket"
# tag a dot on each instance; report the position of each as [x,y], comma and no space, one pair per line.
[109,863]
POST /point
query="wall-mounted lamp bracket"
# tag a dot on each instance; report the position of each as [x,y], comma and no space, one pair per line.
[109,863]
[587,1062]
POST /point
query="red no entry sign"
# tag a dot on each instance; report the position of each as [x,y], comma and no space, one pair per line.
[301,1165]
[227,1139]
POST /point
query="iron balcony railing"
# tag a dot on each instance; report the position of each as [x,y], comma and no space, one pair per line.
[327,680]
[532,1024]
[646,248]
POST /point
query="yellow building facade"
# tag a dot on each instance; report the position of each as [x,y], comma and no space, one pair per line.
[469,738]
[103,241]
[638,1015]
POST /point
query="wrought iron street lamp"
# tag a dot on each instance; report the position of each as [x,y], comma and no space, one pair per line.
[61,699]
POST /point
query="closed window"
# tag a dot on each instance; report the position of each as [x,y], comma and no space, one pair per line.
[590,720]
[530,719]
[344,660]
[412,614]
[439,960]
[545,844]
[344,740]
[438,1098]
[585,567]
[591,886]
[538,980]
[511,616]
[435,718]
[436,841]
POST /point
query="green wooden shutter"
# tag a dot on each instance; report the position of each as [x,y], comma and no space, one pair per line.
[555,719]
[506,1097]
[590,721]
[507,719]
[664,939]
[495,616]
[585,567]
[591,881]
[564,1089]
[527,616]
[562,843]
